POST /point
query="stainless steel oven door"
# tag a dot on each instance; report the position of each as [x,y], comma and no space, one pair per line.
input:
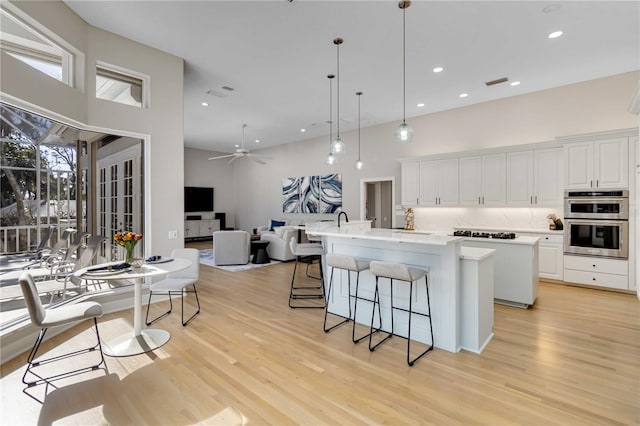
[606,238]
[596,208]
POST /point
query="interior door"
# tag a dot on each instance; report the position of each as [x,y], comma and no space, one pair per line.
[119,199]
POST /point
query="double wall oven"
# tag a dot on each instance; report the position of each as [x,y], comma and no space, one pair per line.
[597,223]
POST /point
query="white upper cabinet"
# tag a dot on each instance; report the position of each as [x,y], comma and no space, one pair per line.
[598,164]
[483,180]
[534,178]
[439,182]
[520,177]
[410,175]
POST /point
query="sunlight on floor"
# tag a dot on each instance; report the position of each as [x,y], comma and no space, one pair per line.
[228,417]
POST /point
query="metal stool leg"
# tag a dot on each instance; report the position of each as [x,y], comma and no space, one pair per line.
[409,360]
[326,309]
[376,299]
[295,296]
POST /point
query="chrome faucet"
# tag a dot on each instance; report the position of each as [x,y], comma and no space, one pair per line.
[345,217]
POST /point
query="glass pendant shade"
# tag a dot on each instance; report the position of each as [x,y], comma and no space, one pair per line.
[358,165]
[337,146]
[331,159]
[404,133]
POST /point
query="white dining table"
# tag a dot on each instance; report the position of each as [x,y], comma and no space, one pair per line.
[141,340]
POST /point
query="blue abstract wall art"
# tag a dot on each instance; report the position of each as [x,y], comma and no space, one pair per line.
[291,195]
[312,194]
[331,193]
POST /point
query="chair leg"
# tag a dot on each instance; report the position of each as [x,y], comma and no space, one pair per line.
[355,314]
[296,296]
[376,299]
[32,364]
[147,322]
[409,360]
[184,323]
[326,304]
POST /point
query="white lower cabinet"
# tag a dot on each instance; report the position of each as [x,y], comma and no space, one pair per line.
[595,271]
[550,255]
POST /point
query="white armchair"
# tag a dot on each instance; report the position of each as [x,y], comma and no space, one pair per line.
[278,247]
[231,247]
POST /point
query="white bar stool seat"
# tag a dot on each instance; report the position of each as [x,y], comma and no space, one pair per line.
[400,272]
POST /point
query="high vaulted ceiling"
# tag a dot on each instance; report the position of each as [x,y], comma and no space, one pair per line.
[276,56]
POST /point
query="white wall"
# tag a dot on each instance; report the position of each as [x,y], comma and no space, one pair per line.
[591,106]
[160,125]
[218,174]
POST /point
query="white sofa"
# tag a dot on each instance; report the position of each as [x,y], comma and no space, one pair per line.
[278,247]
[231,247]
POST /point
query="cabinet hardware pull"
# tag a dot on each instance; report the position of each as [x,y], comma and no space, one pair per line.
[482,200]
[536,199]
[591,183]
[593,279]
[597,183]
[594,266]
[531,199]
[478,200]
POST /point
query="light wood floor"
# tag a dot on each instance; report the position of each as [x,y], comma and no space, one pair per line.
[572,359]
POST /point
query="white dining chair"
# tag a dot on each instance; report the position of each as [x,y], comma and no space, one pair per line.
[177,283]
[50,317]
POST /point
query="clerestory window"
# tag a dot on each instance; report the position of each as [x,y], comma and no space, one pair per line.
[115,85]
[32,47]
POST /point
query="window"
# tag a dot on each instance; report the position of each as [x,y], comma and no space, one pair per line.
[114,85]
[33,48]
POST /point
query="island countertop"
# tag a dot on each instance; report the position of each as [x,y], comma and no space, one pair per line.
[379,234]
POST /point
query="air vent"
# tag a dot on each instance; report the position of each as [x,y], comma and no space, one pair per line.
[216,93]
[228,89]
[498,81]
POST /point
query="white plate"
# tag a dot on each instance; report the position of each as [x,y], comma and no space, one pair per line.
[107,272]
[162,260]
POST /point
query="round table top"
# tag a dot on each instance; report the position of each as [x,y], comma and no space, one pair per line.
[146,270]
[260,243]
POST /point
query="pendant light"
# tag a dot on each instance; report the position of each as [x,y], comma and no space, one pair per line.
[338,147]
[359,164]
[331,159]
[404,133]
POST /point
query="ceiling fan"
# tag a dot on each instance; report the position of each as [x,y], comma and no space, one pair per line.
[243,152]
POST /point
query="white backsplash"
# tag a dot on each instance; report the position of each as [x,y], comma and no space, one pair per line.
[445,219]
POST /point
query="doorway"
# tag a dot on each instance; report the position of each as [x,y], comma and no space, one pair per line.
[376,201]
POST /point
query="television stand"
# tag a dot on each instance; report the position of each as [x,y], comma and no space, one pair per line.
[200,229]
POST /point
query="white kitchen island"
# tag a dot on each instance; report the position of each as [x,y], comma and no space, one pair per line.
[441,254]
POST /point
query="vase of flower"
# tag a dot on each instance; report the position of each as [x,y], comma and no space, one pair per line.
[128,240]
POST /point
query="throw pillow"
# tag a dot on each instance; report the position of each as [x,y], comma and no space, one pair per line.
[279,230]
[275,223]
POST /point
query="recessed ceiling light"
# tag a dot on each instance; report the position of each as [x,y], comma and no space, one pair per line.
[464,95]
[515,83]
[420,105]
[303,130]
[555,34]
[204,104]
[438,69]
[257,140]
[237,146]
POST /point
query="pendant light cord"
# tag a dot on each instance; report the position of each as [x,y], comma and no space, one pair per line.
[338,88]
[330,77]
[359,94]
[404,66]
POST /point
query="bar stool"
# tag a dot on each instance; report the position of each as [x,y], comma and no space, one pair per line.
[349,264]
[306,253]
[400,272]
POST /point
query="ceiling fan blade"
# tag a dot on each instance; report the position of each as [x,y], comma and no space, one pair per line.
[222,156]
[235,157]
[266,157]
[257,160]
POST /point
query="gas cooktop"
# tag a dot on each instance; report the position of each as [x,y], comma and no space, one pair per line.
[496,235]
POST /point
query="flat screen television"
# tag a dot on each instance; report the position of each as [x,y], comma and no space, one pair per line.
[197,199]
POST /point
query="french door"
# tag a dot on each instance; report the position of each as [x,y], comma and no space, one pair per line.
[119,199]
